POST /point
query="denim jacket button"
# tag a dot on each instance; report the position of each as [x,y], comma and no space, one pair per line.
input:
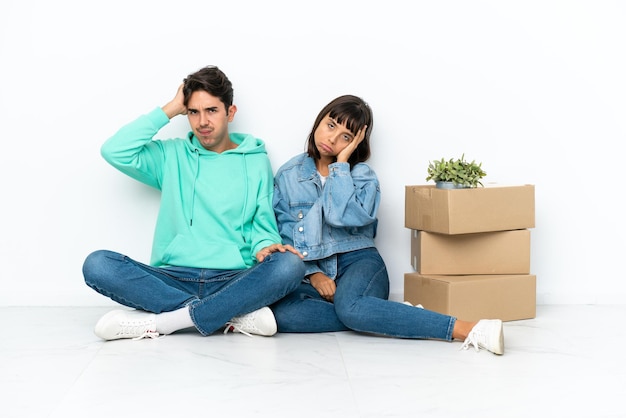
[301,229]
[300,215]
[305,253]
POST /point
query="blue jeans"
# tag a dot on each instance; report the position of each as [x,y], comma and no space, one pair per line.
[360,304]
[213,296]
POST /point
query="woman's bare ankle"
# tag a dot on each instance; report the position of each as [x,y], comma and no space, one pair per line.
[462,329]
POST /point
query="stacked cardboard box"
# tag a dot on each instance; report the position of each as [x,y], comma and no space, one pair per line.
[470,249]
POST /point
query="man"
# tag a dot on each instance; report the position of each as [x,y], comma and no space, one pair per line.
[217,258]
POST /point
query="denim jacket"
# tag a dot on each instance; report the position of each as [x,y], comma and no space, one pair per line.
[322,221]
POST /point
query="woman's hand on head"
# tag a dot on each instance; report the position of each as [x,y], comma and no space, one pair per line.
[345,154]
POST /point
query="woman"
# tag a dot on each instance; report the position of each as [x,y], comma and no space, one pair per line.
[326,202]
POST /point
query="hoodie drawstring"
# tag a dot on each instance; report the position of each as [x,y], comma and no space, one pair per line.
[193,190]
[245,197]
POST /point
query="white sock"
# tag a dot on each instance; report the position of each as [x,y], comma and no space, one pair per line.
[168,322]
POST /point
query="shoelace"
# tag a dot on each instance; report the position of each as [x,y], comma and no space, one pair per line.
[131,328]
[472,339]
[238,325]
[149,334]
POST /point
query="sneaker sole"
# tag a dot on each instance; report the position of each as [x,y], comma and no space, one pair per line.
[500,348]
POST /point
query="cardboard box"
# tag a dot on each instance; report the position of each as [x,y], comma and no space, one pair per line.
[463,211]
[500,252]
[470,298]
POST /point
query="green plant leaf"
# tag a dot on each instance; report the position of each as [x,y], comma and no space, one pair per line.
[457,171]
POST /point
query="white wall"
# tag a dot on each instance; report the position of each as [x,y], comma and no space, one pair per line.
[533,89]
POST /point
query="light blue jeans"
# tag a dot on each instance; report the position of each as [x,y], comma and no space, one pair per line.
[213,296]
[360,304]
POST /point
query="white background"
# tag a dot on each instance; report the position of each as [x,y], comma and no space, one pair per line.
[535,90]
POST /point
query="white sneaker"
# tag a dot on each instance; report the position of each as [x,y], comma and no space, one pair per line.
[126,324]
[487,334]
[419,305]
[259,322]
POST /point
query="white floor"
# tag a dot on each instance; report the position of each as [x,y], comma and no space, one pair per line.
[567,362]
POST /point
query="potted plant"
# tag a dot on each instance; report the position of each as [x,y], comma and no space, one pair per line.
[455,173]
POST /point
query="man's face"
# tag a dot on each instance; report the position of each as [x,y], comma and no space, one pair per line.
[209,121]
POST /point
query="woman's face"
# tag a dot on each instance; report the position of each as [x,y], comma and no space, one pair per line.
[331,137]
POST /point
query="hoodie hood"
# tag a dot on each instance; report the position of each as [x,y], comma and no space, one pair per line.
[246,144]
